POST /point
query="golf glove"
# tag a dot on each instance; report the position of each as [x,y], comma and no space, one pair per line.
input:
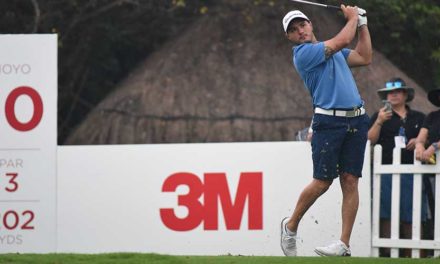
[362,14]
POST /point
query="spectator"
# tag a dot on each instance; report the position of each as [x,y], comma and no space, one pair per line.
[426,145]
[429,136]
[396,126]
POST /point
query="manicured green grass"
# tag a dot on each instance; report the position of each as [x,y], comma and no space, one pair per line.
[132,258]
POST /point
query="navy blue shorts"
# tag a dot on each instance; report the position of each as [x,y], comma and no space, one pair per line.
[338,145]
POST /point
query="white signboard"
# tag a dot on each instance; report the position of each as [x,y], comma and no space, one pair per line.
[196,199]
[28,135]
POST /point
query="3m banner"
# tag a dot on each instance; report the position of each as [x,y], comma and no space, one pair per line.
[196,199]
[28,142]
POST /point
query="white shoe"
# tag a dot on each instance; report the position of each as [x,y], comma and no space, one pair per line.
[288,241]
[337,248]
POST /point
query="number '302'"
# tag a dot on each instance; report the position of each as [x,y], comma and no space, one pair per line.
[11,220]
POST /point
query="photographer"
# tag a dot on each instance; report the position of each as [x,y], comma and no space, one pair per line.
[396,125]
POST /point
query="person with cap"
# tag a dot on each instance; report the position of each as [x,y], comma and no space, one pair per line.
[396,126]
[339,125]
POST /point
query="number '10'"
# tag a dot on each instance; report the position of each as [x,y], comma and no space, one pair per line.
[10,108]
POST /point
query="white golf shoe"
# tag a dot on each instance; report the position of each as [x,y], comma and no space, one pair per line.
[337,248]
[288,241]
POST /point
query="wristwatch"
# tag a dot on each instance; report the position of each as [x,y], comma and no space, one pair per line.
[435,145]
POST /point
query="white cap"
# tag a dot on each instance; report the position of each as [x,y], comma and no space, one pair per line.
[291,16]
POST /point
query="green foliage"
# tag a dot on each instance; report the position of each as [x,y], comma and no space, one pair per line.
[101,41]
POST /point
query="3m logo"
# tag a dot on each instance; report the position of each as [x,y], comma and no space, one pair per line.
[214,189]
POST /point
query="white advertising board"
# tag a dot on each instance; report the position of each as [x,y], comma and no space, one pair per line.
[28,143]
[196,199]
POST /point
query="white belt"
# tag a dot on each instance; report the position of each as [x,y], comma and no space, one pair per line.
[343,113]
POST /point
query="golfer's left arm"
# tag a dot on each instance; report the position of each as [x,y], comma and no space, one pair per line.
[363,53]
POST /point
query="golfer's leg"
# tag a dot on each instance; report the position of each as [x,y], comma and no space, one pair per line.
[308,196]
[350,204]
[351,163]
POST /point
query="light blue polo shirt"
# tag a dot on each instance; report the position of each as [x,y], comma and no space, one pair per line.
[330,82]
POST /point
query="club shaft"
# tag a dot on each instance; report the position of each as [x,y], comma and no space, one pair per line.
[317,4]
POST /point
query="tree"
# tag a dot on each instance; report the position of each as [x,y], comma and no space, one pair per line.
[406,31]
[100,42]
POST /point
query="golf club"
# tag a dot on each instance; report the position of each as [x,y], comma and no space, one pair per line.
[317,4]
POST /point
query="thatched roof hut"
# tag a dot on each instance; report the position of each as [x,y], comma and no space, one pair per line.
[228,77]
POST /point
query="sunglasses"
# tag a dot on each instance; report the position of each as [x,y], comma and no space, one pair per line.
[393,84]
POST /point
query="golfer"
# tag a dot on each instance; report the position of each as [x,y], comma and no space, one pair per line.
[340,124]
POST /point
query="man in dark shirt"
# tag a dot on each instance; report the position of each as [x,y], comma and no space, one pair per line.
[396,127]
[427,144]
[428,139]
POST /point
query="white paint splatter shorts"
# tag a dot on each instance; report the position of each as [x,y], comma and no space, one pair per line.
[338,145]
